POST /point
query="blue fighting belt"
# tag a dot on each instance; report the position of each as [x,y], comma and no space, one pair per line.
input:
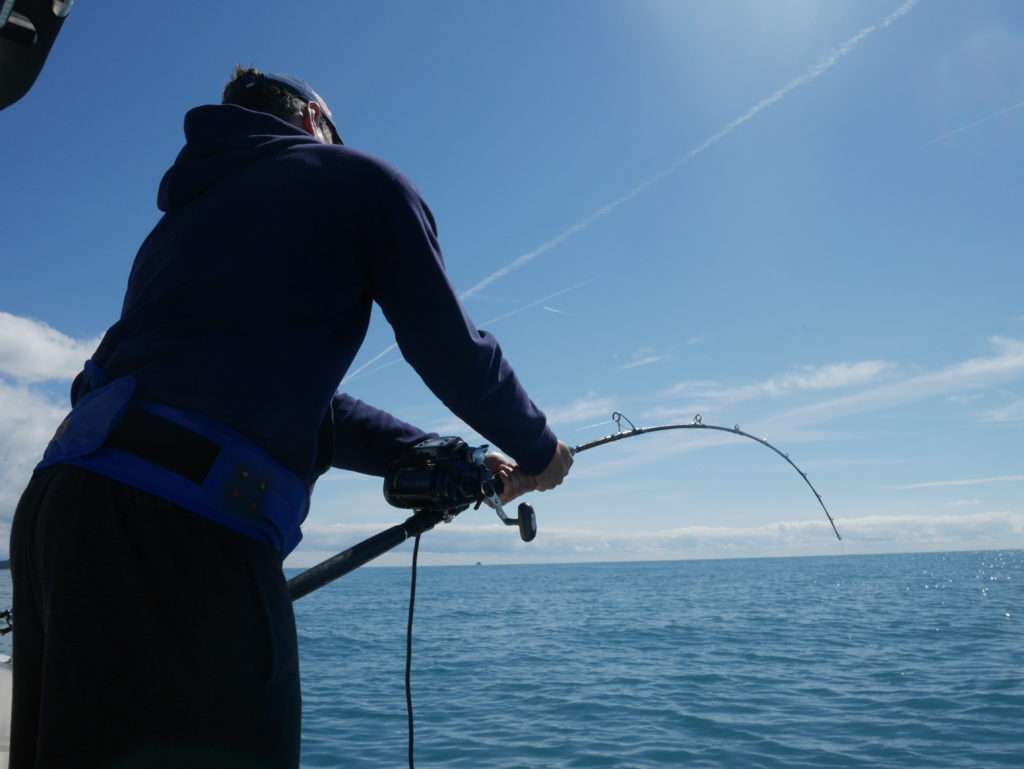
[187,459]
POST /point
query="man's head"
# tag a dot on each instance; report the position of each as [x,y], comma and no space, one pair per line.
[286,97]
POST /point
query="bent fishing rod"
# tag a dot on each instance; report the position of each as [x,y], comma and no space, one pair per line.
[697,424]
[441,477]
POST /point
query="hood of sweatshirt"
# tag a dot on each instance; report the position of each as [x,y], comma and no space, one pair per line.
[220,140]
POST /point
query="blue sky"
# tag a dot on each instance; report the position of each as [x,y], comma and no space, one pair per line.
[804,220]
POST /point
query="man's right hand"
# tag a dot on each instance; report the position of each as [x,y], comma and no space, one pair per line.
[556,470]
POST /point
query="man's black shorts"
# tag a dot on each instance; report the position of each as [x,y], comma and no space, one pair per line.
[145,636]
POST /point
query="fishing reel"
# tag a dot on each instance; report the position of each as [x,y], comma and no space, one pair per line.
[445,476]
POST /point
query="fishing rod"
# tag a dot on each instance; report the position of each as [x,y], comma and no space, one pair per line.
[441,477]
[697,424]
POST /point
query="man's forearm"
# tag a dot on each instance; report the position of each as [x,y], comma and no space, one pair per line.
[367,439]
[462,365]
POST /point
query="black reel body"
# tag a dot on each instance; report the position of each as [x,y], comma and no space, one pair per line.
[440,474]
[447,475]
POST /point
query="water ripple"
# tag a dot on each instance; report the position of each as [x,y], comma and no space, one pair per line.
[884,661]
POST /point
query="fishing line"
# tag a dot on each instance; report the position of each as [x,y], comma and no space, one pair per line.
[408,647]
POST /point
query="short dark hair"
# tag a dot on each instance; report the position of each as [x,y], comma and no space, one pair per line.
[248,89]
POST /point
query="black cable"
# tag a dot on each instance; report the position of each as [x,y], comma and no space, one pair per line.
[408,647]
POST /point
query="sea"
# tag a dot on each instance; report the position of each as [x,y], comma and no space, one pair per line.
[910,661]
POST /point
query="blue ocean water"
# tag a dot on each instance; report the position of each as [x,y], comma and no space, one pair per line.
[909,661]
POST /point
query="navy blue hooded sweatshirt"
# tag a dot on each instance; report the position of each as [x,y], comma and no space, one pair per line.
[250,298]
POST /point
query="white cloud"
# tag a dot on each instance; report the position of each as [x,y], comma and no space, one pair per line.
[828,377]
[605,424]
[467,543]
[669,414]
[644,356]
[27,422]
[967,531]
[806,378]
[644,361]
[692,387]
[804,423]
[961,482]
[590,406]
[1014,412]
[971,374]
[31,351]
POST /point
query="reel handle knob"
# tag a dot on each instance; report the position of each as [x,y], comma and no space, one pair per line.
[527,522]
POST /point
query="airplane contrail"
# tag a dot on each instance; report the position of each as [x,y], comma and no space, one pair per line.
[491,321]
[814,72]
[965,482]
[535,302]
[976,123]
[348,377]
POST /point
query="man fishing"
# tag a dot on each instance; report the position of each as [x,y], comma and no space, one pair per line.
[153,623]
